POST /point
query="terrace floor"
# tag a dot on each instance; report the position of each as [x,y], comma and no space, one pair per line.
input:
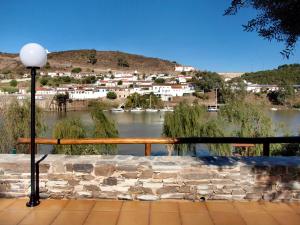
[105,212]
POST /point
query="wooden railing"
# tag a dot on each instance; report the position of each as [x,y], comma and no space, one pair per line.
[265,141]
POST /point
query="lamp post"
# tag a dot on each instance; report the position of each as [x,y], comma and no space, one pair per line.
[33,56]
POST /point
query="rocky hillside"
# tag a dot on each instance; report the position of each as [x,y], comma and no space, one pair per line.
[91,60]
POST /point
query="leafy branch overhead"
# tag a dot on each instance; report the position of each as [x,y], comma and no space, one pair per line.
[276,20]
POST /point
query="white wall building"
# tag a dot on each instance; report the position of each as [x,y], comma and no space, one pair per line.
[184,68]
[166,91]
[87,93]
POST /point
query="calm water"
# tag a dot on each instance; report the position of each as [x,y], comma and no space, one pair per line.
[150,125]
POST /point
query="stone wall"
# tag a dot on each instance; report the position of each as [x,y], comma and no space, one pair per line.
[153,178]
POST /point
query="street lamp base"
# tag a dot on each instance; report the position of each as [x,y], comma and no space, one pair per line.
[32,202]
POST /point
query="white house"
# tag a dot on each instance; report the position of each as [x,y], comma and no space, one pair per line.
[184,68]
[87,93]
[256,88]
[165,91]
[45,91]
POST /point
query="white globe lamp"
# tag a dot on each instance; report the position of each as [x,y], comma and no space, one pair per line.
[33,56]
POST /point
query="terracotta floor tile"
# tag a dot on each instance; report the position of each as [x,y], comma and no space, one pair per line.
[248,206]
[12,217]
[4,203]
[202,218]
[136,206]
[164,206]
[254,213]
[165,218]
[133,218]
[286,218]
[71,217]
[224,213]
[83,205]
[51,205]
[192,207]
[227,218]
[295,206]
[19,204]
[107,206]
[39,217]
[102,218]
[277,207]
[217,206]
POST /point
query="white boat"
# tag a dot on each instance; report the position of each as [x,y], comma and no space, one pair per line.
[117,110]
[136,110]
[274,109]
[151,110]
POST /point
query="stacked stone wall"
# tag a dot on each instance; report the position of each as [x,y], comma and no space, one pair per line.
[154,178]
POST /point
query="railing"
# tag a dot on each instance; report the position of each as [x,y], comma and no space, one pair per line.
[265,141]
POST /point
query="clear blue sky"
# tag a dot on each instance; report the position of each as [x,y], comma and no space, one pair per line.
[191,32]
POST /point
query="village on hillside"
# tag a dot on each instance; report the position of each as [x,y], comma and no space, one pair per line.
[118,85]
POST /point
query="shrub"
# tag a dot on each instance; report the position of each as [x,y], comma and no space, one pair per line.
[13,83]
[76,70]
[111,95]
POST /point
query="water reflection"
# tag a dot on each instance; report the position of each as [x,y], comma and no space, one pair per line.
[144,124]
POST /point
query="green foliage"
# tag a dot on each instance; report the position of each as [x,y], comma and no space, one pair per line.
[104,128]
[237,118]
[193,121]
[111,95]
[73,128]
[297,105]
[247,120]
[70,128]
[207,81]
[88,80]
[15,124]
[201,95]
[10,90]
[44,80]
[122,62]
[227,93]
[287,150]
[13,83]
[76,70]
[6,71]
[120,82]
[285,74]
[143,101]
[159,81]
[47,66]
[278,20]
[105,105]
[92,57]
[280,96]
[57,81]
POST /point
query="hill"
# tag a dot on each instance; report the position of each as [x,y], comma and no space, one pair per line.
[91,60]
[285,74]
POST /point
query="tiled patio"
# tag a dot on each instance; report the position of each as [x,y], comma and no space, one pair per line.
[101,212]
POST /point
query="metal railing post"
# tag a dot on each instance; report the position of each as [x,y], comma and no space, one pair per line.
[266,149]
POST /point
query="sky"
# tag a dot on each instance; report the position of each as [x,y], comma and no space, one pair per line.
[190,32]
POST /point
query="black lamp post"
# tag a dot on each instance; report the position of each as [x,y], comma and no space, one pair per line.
[33,56]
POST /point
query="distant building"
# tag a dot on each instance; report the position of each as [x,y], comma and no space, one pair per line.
[87,93]
[228,75]
[167,91]
[184,68]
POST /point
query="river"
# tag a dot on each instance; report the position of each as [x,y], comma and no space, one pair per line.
[150,125]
